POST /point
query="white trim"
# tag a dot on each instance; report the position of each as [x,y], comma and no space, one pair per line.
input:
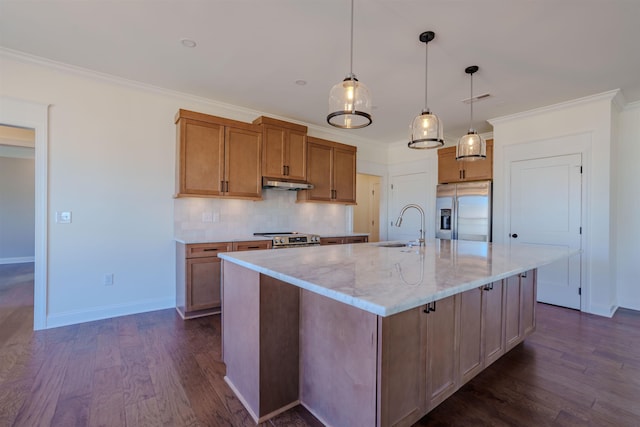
[88,315]
[632,105]
[17,260]
[610,95]
[33,115]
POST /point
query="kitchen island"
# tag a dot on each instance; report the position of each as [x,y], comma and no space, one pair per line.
[372,334]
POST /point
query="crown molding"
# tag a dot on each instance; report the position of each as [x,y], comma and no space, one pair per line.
[632,105]
[612,95]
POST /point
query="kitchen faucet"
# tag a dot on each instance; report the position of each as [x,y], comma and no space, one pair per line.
[399,220]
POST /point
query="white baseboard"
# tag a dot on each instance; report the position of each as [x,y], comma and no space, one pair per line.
[631,305]
[17,260]
[107,312]
[602,310]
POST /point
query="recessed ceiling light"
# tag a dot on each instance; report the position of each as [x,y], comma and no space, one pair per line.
[188,42]
[301,82]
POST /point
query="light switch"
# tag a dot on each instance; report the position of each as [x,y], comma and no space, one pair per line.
[63,217]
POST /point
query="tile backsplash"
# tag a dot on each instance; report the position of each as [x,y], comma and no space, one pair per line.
[211,219]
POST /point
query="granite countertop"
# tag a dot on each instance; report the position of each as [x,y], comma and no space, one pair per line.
[389,280]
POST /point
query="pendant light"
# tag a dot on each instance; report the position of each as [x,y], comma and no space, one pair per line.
[350,100]
[471,146]
[426,129]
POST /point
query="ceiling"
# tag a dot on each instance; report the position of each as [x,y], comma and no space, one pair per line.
[250,53]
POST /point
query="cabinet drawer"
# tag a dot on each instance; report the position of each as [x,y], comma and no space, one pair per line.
[252,245]
[200,250]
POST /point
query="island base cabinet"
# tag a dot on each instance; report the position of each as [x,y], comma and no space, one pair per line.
[338,358]
[260,340]
[285,346]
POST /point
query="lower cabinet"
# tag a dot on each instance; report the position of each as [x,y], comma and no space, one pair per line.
[198,275]
[341,240]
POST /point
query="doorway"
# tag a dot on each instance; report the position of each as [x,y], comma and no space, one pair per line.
[546,209]
[366,213]
[32,115]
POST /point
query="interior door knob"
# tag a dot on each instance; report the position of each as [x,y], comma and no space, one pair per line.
[514,235]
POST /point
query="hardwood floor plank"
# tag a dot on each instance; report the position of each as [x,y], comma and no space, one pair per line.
[144,413]
[107,400]
[136,381]
[39,407]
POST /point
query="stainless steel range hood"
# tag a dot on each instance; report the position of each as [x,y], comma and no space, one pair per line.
[285,185]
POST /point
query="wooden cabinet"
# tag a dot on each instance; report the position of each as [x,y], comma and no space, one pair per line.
[217,157]
[442,338]
[331,168]
[493,322]
[198,275]
[198,278]
[341,240]
[284,153]
[472,313]
[451,170]
[519,312]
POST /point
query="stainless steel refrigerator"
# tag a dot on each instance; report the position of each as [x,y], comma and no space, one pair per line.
[463,211]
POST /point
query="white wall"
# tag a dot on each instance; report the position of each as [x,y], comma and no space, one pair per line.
[590,116]
[627,215]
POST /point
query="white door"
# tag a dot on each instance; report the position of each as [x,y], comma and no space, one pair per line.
[546,200]
[408,189]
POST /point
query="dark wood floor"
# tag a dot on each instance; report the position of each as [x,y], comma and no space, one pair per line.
[154,369]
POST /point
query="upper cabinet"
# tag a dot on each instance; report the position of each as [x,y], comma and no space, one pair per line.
[451,170]
[284,152]
[217,157]
[331,168]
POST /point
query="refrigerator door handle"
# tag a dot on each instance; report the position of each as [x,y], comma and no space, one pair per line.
[454,221]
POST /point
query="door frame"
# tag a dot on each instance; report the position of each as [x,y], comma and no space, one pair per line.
[18,112]
[561,145]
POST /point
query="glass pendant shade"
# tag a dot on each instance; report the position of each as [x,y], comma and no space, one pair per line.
[426,131]
[349,104]
[471,147]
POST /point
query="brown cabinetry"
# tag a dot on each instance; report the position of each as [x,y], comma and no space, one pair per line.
[519,312]
[341,240]
[331,168]
[217,157]
[198,275]
[451,170]
[284,153]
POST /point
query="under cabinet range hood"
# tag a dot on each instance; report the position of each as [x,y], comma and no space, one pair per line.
[285,185]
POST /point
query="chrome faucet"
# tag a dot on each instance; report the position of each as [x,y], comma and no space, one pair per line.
[399,220]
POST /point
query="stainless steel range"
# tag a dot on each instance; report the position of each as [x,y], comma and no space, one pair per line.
[291,239]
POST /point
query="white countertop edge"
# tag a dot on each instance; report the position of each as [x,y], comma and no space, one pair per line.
[379,310]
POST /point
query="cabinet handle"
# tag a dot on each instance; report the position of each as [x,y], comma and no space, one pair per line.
[286,170]
[226,186]
[430,307]
[523,275]
[222,186]
[209,249]
[464,173]
[488,287]
[460,174]
[253,247]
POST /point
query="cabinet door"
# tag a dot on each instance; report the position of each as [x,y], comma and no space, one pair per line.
[296,156]
[492,322]
[512,321]
[242,167]
[201,158]
[344,176]
[203,283]
[479,169]
[448,166]
[442,352]
[319,172]
[528,290]
[273,159]
[471,352]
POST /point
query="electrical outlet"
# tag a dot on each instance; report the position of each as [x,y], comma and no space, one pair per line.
[107,279]
[215,217]
[207,216]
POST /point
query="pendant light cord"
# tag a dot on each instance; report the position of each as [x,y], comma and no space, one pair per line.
[351,58]
[471,102]
[426,72]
